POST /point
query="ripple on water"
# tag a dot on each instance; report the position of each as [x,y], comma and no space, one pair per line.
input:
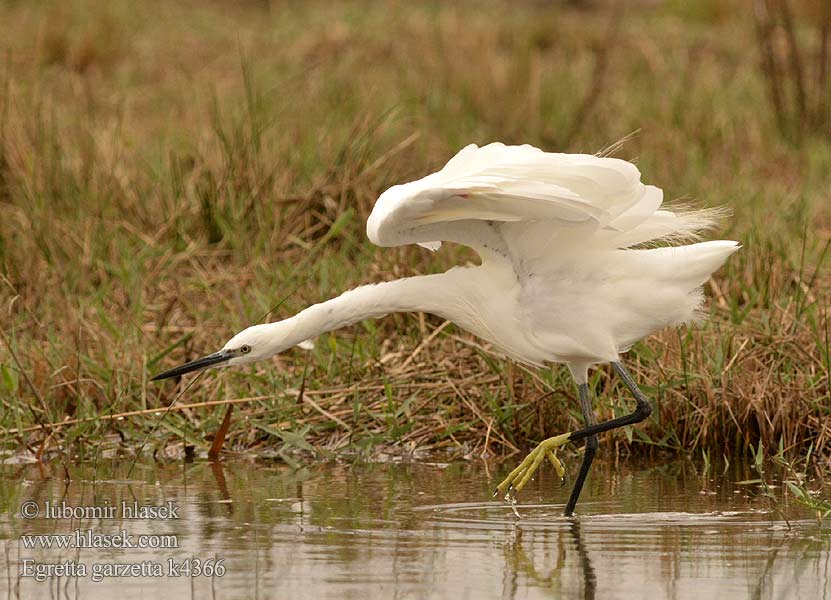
[494,514]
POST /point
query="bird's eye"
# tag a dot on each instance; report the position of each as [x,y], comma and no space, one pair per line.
[245,349]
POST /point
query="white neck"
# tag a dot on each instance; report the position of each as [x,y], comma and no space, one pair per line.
[436,294]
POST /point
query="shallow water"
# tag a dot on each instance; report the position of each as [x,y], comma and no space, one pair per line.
[410,531]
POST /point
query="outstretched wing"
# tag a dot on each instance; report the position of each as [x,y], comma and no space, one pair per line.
[480,188]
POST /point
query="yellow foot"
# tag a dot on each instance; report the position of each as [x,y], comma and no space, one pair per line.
[517,478]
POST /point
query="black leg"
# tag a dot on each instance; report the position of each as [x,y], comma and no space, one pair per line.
[642,411]
[590,451]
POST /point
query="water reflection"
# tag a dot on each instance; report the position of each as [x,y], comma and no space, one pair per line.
[589,578]
[521,568]
[418,530]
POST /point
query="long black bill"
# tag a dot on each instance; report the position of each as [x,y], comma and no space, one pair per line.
[211,360]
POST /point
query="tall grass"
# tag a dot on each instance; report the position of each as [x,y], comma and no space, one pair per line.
[171,172]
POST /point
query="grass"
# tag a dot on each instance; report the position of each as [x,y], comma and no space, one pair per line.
[171,172]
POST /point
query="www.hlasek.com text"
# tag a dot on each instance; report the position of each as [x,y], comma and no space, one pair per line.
[81,538]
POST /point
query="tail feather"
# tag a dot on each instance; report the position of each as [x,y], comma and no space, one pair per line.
[671,277]
[687,266]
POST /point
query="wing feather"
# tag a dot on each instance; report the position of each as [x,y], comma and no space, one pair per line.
[509,184]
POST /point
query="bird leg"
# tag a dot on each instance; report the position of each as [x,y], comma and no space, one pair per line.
[520,476]
[590,451]
[642,410]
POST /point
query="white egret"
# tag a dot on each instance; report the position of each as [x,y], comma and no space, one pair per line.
[564,274]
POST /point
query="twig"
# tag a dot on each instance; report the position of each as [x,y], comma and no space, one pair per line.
[601,64]
[487,422]
[797,74]
[324,412]
[219,437]
[35,391]
[424,343]
[822,107]
[135,413]
[764,32]
[735,356]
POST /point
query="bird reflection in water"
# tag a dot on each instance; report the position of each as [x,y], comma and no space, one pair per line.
[521,570]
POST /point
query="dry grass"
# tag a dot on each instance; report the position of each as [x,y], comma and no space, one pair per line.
[170,172]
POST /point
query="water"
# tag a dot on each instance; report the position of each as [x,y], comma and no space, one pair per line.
[412,531]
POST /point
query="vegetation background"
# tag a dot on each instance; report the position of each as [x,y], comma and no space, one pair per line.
[171,172]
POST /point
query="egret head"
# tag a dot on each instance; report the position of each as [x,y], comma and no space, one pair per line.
[250,345]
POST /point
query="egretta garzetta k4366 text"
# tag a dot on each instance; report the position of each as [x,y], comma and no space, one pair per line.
[577,265]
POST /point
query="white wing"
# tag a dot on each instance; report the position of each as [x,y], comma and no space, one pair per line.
[480,191]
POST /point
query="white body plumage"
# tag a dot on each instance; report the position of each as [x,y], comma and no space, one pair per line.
[559,279]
